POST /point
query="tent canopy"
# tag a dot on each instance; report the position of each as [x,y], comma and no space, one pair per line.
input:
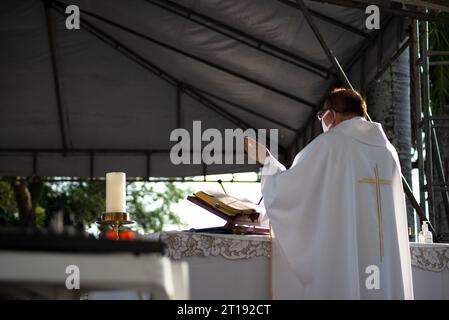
[106,97]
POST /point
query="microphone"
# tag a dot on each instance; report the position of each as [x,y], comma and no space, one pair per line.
[221,184]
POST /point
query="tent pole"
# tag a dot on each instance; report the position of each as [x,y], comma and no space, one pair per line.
[55,72]
[333,21]
[341,74]
[179,91]
[240,107]
[417,108]
[148,165]
[425,100]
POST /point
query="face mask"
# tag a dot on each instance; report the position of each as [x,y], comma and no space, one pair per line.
[323,124]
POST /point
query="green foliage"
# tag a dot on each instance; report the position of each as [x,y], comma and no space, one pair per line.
[41,216]
[8,206]
[439,75]
[150,205]
[7,200]
[83,201]
[155,213]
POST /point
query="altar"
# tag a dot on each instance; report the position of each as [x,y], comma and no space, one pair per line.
[238,266]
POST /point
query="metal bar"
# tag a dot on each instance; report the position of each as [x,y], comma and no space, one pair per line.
[148,165]
[196,58]
[441,125]
[91,152]
[414,55]
[213,106]
[439,118]
[152,180]
[81,150]
[393,58]
[178,106]
[424,46]
[218,109]
[327,50]
[441,184]
[238,35]
[91,164]
[240,107]
[204,169]
[366,44]
[361,4]
[429,4]
[329,19]
[34,163]
[439,63]
[54,65]
[438,53]
[380,46]
[422,217]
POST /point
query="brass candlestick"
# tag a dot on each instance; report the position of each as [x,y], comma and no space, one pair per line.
[115,219]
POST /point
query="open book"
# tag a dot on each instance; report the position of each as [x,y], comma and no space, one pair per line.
[242,216]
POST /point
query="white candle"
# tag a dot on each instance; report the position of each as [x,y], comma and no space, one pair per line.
[115,192]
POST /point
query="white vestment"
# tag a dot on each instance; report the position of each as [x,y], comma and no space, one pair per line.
[338,214]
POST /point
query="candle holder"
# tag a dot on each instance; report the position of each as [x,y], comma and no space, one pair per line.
[116,220]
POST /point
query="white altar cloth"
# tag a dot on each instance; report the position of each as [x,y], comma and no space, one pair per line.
[238,266]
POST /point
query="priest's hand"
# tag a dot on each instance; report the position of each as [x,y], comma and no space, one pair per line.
[256,150]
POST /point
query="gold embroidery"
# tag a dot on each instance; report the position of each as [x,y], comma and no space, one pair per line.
[378,182]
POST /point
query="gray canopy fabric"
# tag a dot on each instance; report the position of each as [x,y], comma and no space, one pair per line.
[103,98]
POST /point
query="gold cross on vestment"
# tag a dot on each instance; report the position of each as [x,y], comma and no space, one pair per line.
[378,182]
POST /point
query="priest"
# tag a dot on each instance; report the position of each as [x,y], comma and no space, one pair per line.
[338,213]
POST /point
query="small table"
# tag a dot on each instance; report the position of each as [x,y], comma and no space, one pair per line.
[40,266]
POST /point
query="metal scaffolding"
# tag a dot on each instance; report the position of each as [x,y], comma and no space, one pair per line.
[429,156]
[432,179]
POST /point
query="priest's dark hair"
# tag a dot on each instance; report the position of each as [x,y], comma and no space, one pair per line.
[346,101]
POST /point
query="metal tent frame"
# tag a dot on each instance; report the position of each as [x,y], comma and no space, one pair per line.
[428,147]
[418,42]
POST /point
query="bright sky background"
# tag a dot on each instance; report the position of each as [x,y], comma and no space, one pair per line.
[197,217]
